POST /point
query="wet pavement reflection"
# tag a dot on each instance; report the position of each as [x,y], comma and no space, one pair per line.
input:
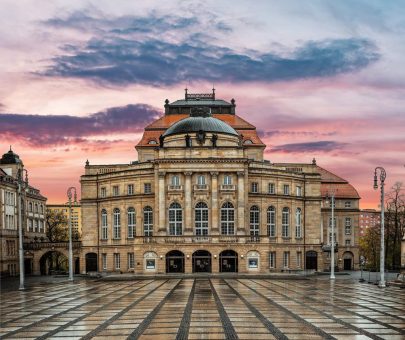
[204,308]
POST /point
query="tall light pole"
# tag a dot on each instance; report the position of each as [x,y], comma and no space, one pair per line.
[381,284]
[69,193]
[21,186]
[331,194]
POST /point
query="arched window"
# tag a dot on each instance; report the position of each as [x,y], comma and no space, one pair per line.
[201,219]
[227,219]
[201,180]
[36,207]
[104,225]
[271,221]
[30,206]
[175,181]
[131,222]
[148,221]
[117,224]
[254,220]
[175,219]
[298,223]
[285,222]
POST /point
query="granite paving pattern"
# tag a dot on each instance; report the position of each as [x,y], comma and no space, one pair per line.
[204,308]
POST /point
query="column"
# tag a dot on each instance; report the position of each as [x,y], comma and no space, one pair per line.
[214,204]
[188,225]
[241,203]
[162,203]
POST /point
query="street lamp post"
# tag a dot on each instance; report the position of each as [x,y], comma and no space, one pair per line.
[69,194]
[331,193]
[21,186]
[383,175]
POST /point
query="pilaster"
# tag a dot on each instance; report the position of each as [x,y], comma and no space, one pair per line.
[241,203]
[214,203]
[162,203]
[188,225]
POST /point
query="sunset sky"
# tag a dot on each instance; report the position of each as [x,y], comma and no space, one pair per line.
[324,79]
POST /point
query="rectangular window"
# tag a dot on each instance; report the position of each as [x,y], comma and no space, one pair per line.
[130,189]
[150,264]
[253,262]
[131,261]
[9,222]
[271,222]
[299,191]
[286,259]
[348,204]
[35,226]
[348,242]
[348,226]
[255,187]
[286,189]
[227,180]
[104,261]
[117,225]
[330,238]
[272,188]
[299,259]
[330,222]
[147,188]
[272,259]
[103,192]
[116,191]
[117,261]
[30,225]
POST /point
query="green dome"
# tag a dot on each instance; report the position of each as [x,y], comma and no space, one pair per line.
[200,123]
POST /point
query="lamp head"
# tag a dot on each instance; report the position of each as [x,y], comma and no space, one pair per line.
[375,181]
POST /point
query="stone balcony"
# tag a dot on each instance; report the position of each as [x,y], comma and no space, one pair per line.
[200,187]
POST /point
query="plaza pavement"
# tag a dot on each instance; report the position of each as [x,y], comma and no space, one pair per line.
[204,307]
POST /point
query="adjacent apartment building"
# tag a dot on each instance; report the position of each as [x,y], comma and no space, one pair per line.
[32,211]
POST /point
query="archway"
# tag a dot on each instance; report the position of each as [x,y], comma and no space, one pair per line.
[175,262]
[311,261]
[228,261]
[202,261]
[348,260]
[91,262]
[53,262]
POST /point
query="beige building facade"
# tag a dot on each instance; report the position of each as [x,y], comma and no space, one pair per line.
[33,216]
[201,198]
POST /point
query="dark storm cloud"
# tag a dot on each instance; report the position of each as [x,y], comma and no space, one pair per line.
[45,130]
[167,50]
[324,146]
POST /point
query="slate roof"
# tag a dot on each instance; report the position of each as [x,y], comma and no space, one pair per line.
[195,124]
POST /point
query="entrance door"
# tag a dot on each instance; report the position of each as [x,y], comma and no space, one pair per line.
[202,261]
[228,261]
[311,260]
[28,266]
[91,262]
[347,264]
[175,262]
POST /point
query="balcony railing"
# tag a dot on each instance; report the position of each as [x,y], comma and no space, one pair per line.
[228,187]
[175,188]
[200,187]
[327,248]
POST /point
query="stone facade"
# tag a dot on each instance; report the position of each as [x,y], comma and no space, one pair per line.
[202,198]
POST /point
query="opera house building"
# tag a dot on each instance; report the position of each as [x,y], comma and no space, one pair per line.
[202,198]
